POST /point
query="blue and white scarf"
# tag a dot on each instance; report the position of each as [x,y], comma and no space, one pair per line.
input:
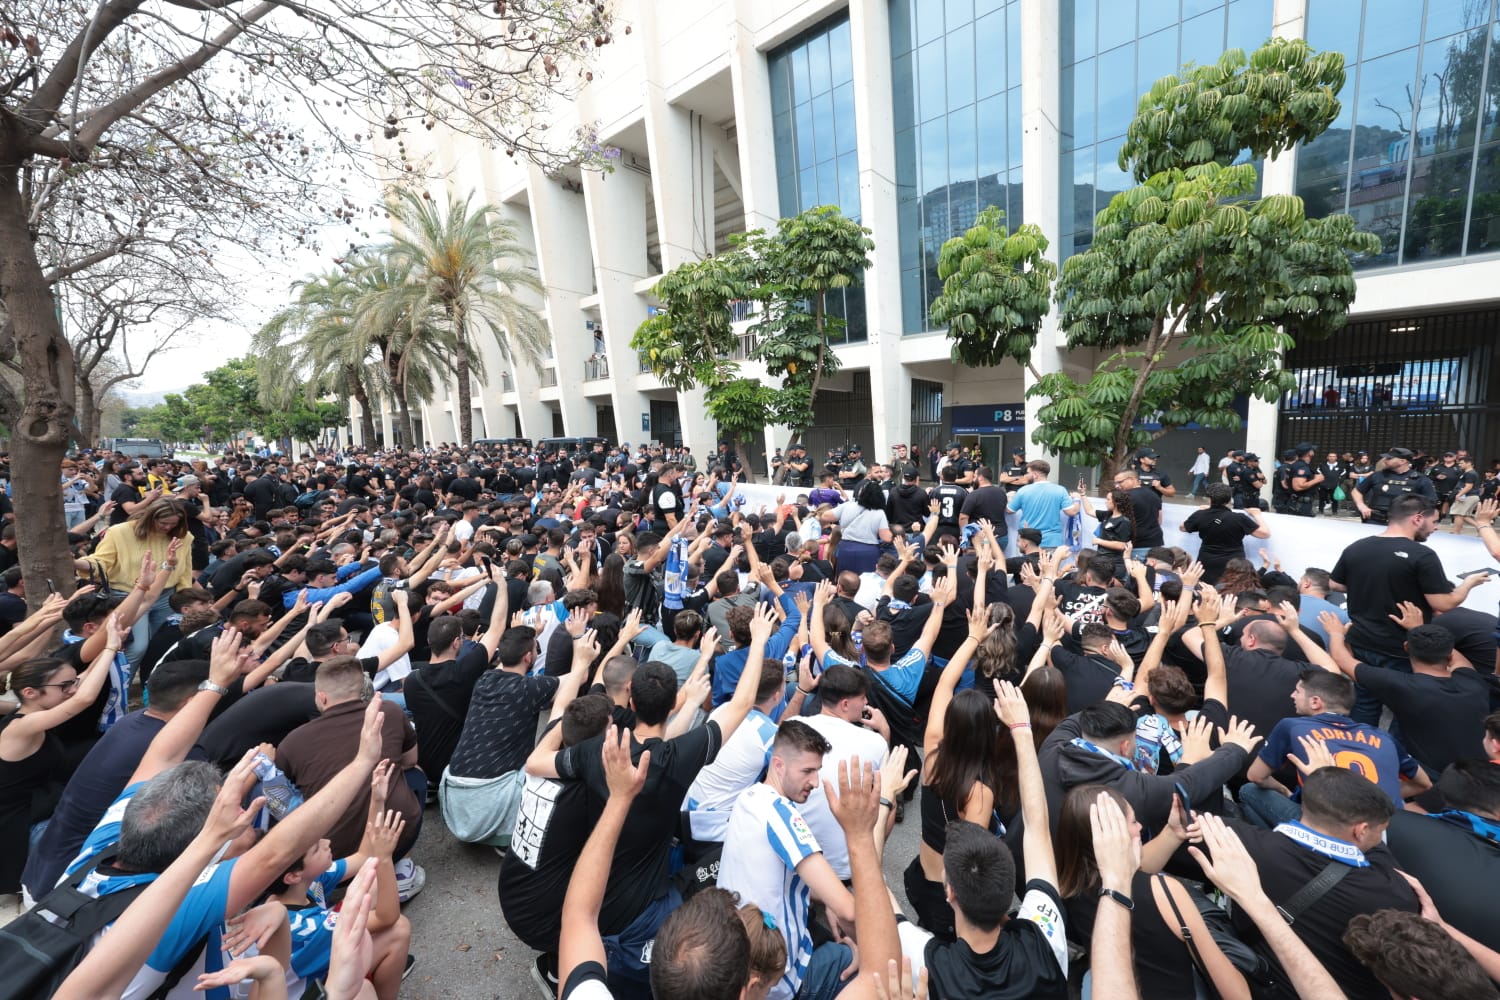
[1084,744]
[1479,826]
[120,673]
[1330,847]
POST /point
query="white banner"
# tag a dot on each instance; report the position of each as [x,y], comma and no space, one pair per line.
[1298,542]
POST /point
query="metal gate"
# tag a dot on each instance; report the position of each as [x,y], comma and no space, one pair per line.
[1420,382]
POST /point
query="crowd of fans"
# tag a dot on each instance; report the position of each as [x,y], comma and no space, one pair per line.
[688,722]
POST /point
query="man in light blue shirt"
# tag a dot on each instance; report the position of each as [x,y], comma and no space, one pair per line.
[1042,504]
[1314,590]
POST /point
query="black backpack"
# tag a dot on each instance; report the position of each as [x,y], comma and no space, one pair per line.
[37,954]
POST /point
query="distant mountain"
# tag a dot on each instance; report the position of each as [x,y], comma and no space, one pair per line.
[141,397]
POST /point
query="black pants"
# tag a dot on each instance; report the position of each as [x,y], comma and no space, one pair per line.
[930,901]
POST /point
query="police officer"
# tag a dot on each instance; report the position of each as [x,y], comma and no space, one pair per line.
[798,468]
[1305,480]
[1246,479]
[852,471]
[1445,477]
[963,469]
[1014,475]
[1393,478]
[1146,472]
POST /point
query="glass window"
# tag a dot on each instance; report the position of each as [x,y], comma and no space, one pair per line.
[781,130]
[1013,44]
[1082,28]
[931,73]
[983,7]
[786,190]
[934,156]
[1484,221]
[989,50]
[912,311]
[1081,121]
[820,80]
[1117,26]
[840,55]
[1017,210]
[909,215]
[1203,39]
[803,120]
[958,12]
[1390,25]
[1013,122]
[1110,180]
[1157,14]
[901,26]
[843,118]
[822,121]
[828,182]
[1439,197]
[1445,118]
[1490,115]
[991,137]
[1383,110]
[781,84]
[960,52]
[962,151]
[1249,24]
[1116,100]
[1192,8]
[906,166]
[1334,24]
[848,171]
[807,193]
[903,92]
[800,84]
[929,20]
[1157,58]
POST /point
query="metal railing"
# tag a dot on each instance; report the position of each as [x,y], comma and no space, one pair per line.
[507,382]
[596,368]
[548,377]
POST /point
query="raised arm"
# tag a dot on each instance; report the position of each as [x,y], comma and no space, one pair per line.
[579,942]
[171,745]
[1338,646]
[1316,655]
[943,594]
[730,714]
[1216,686]
[1037,837]
[979,628]
[817,632]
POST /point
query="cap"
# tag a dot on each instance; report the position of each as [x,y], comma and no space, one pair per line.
[186,481]
[910,472]
[1303,447]
[1405,453]
[952,445]
[1018,451]
[1146,453]
[1252,457]
[1236,454]
[1450,454]
[854,447]
[1290,454]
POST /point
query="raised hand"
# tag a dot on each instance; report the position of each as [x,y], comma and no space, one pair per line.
[623,777]
[894,776]
[763,625]
[1410,617]
[1241,733]
[1010,704]
[1332,624]
[856,803]
[254,927]
[1209,604]
[224,657]
[1117,851]
[383,834]
[1191,575]
[1225,861]
[1316,753]
[1196,735]
[577,622]
[371,734]
[353,951]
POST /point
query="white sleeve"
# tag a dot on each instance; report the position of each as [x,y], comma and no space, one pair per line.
[913,945]
[1042,910]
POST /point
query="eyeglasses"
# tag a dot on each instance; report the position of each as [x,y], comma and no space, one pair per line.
[62,685]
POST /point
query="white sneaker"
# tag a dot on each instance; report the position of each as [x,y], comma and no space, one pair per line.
[410,878]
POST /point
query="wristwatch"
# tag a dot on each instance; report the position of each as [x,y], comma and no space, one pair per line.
[217,689]
[1118,897]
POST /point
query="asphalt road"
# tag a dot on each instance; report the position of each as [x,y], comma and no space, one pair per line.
[464,949]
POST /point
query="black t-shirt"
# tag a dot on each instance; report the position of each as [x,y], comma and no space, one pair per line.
[552,825]
[265,715]
[1089,678]
[1473,636]
[1378,573]
[951,498]
[1080,602]
[987,503]
[1445,479]
[1222,533]
[1023,965]
[1148,533]
[1441,718]
[437,696]
[1451,862]
[500,728]
[1115,529]
[123,495]
[1286,866]
[1260,685]
[642,857]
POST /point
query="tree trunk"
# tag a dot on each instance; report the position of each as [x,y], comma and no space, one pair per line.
[461,373]
[366,418]
[88,415]
[42,423]
[403,411]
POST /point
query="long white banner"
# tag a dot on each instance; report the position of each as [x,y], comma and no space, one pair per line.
[1297,542]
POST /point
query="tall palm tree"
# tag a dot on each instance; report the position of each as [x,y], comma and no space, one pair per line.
[470,264]
[294,343]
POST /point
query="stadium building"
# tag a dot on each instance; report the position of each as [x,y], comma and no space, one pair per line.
[912,116]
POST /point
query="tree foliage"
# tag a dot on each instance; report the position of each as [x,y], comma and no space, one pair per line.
[1186,261]
[997,286]
[791,273]
[228,404]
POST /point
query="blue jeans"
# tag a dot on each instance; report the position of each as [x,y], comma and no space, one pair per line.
[1366,705]
[1199,481]
[827,964]
[146,626]
[1266,808]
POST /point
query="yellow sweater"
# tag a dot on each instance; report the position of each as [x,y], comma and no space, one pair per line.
[119,557]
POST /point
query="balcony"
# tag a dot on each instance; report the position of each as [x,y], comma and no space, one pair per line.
[596,368]
[507,382]
[645,362]
[547,377]
[744,345]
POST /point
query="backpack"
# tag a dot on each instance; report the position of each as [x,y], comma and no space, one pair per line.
[38,954]
[306,500]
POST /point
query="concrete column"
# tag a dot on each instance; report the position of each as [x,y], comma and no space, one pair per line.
[536,416]
[754,131]
[560,222]
[1041,106]
[468,179]
[1279,176]
[616,212]
[890,383]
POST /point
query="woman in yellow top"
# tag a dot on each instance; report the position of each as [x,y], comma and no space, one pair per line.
[152,527]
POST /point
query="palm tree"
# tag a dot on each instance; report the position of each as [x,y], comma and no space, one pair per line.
[470,264]
[294,343]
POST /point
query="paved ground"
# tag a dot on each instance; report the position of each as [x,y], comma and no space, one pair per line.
[464,949]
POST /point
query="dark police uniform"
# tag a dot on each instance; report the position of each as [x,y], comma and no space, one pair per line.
[1382,489]
[1301,503]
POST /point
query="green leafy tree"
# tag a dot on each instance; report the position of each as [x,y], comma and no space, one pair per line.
[792,272]
[1188,264]
[997,286]
[470,265]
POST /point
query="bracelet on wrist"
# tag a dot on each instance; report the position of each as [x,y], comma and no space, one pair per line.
[803,693]
[1118,897]
[1020,725]
[887,803]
